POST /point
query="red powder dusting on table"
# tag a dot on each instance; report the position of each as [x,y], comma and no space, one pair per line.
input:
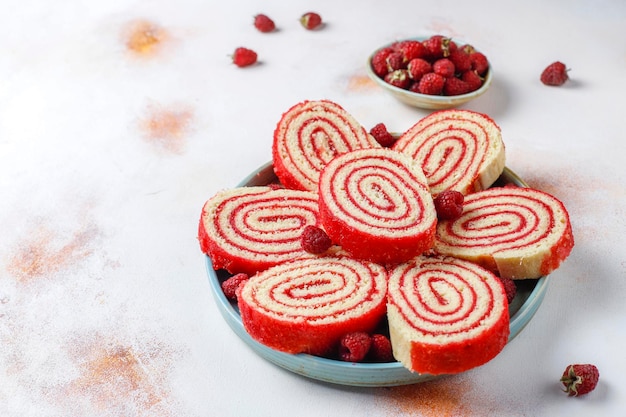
[120,377]
[43,252]
[144,38]
[436,398]
[167,127]
[360,82]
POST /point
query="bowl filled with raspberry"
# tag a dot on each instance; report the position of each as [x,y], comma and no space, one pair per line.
[434,72]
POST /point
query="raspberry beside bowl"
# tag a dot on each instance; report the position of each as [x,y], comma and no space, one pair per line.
[426,101]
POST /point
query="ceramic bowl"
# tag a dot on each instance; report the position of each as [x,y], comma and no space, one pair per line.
[426,101]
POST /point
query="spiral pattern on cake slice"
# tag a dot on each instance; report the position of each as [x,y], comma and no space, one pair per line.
[307,305]
[459,150]
[517,232]
[446,315]
[376,204]
[308,136]
[248,229]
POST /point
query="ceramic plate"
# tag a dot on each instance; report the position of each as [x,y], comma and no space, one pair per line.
[530,294]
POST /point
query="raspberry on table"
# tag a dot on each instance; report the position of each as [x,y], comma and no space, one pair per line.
[555,74]
[449,204]
[315,240]
[353,347]
[244,57]
[230,285]
[311,20]
[380,349]
[382,135]
[580,379]
[263,23]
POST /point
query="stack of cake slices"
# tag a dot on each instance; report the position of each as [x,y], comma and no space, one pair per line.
[435,282]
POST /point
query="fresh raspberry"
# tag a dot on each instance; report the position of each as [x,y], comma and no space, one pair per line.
[467,48]
[379,62]
[580,379]
[380,350]
[472,79]
[510,288]
[479,61]
[411,49]
[418,67]
[461,60]
[263,23]
[455,87]
[315,240]
[353,347]
[398,78]
[452,46]
[395,61]
[431,84]
[444,67]
[231,284]
[244,57]
[555,74]
[382,135]
[437,46]
[311,20]
[449,204]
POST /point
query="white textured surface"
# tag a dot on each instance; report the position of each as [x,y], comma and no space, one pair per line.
[106,157]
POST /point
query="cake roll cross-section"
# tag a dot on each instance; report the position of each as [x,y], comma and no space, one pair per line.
[446,315]
[459,150]
[376,204]
[307,305]
[308,136]
[516,232]
[249,229]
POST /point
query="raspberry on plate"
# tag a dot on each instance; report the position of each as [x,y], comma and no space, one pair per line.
[381,350]
[449,204]
[353,347]
[231,284]
[315,240]
[382,135]
[509,287]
